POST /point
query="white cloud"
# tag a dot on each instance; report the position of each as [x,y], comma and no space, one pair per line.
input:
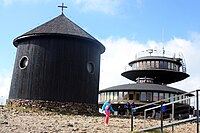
[119,52]
[105,6]
[5,80]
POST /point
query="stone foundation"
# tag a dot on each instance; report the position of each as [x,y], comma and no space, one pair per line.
[52,106]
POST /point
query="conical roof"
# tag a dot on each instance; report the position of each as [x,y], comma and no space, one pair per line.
[60,25]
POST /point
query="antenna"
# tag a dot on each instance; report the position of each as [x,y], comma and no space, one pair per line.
[163,51]
[150,51]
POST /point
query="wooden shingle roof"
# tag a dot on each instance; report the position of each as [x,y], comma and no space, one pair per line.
[144,87]
[60,25]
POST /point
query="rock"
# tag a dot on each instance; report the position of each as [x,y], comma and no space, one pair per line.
[75,129]
[70,125]
[5,122]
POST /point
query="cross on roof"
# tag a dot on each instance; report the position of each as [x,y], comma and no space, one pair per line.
[62,7]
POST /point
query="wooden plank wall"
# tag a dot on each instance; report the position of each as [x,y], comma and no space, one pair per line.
[57,70]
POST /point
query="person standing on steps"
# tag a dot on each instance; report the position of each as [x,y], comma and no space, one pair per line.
[107,107]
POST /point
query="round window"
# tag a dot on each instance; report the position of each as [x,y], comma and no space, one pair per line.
[23,62]
[90,67]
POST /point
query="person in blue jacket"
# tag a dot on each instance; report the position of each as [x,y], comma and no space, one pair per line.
[128,108]
[107,107]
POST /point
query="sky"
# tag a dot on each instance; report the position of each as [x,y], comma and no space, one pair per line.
[124,27]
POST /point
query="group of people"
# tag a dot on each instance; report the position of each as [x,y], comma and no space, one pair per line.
[107,108]
[130,107]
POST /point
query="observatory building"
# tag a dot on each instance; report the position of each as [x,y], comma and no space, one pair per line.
[152,71]
[57,61]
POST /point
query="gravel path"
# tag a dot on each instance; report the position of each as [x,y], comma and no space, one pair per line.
[14,121]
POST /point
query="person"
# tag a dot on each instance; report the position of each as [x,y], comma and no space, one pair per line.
[128,108]
[133,106]
[107,107]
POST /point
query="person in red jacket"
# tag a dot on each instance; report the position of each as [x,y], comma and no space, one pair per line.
[107,107]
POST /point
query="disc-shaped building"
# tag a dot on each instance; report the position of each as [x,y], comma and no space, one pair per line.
[151,73]
[57,61]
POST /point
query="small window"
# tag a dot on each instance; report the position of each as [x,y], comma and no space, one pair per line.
[155,96]
[115,96]
[157,64]
[137,96]
[90,67]
[23,63]
[125,96]
[111,96]
[143,96]
[149,96]
[107,95]
[120,96]
[161,96]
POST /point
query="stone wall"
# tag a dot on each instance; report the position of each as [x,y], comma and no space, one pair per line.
[52,106]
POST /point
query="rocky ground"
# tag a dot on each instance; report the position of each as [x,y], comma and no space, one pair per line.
[28,121]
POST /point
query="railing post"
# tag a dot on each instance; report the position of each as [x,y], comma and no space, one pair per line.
[145,119]
[161,117]
[172,117]
[197,102]
[131,120]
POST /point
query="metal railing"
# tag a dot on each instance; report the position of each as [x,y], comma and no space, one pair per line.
[194,95]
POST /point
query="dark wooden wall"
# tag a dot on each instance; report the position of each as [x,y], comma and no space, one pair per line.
[57,70]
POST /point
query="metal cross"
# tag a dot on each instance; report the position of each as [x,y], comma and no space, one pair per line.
[62,7]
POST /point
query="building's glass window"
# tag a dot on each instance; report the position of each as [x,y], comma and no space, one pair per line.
[125,96]
[161,96]
[175,67]
[23,63]
[120,96]
[172,66]
[115,96]
[180,98]
[141,66]
[138,65]
[165,64]
[144,65]
[188,100]
[137,96]
[176,98]
[166,96]
[149,96]
[184,101]
[161,64]
[134,66]
[148,64]
[171,97]
[143,96]
[152,64]
[107,95]
[157,64]
[102,97]
[99,97]
[90,67]
[169,65]
[131,94]
[155,96]
[111,96]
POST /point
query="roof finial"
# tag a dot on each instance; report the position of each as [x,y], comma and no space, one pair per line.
[62,7]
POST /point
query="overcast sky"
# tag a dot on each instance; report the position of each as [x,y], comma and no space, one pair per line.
[124,27]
